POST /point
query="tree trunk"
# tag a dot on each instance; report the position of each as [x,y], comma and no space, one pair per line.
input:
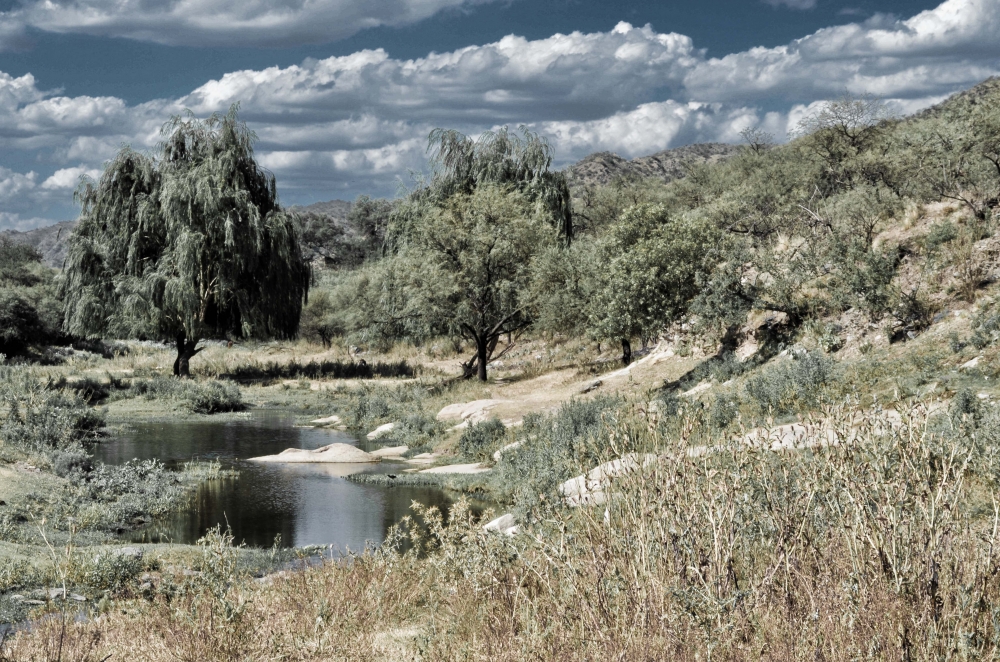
[626,351]
[185,350]
[482,351]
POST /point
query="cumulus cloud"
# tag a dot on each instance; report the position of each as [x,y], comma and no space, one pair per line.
[358,123]
[219,22]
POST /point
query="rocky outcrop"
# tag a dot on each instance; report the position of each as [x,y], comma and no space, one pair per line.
[589,488]
[332,454]
[381,431]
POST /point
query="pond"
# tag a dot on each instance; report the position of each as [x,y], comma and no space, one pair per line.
[304,504]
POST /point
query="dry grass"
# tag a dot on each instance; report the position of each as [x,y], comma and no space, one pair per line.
[879,547]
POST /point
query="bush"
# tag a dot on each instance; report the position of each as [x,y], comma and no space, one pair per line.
[215,397]
[210,397]
[114,571]
[320,370]
[480,440]
[789,383]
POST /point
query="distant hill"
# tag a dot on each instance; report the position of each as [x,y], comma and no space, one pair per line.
[603,167]
[50,241]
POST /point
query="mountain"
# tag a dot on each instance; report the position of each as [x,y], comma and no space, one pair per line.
[603,167]
[50,241]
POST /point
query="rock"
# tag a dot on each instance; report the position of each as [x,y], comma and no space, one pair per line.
[474,412]
[474,468]
[33,602]
[509,447]
[392,451]
[57,594]
[700,388]
[589,488]
[381,431]
[332,454]
[503,524]
[76,597]
[969,365]
[329,420]
[592,386]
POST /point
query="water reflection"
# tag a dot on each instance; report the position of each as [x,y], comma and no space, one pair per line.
[305,504]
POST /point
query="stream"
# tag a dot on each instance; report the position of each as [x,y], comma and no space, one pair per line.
[304,504]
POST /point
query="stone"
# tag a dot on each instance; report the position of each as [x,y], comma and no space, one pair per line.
[474,411]
[331,454]
[700,388]
[128,552]
[503,524]
[509,447]
[329,420]
[381,431]
[591,386]
[969,365]
[589,488]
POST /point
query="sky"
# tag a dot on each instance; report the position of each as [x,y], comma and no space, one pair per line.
[343,93]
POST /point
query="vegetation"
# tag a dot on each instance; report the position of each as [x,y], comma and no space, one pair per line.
[188,245]
[806,465]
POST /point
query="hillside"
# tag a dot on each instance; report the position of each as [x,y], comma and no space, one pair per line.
[603,167]
[50,241]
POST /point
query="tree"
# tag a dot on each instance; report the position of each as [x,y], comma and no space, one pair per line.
[652,265]
[185,245]
[504,158]
[468,270]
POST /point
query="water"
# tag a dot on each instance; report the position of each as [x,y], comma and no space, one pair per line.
[305,504]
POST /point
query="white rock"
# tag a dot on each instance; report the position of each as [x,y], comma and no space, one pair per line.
[332,454]
[329,420]
[503,524]
[589,488]
[474,411]
[509,447]
[969,365]
[590,386]
[700,388]
[381,430]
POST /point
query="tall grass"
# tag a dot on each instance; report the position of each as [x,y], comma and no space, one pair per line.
[876,538]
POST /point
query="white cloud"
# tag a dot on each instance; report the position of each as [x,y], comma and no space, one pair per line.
[359,123]
[68,178]
[219,22]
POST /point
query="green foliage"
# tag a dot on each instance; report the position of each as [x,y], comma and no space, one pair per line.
[502,159]
[789,385]
[114,572]
[29,306]
[186,245]
[480,440]
[208,397]
[553,449]
[651,268]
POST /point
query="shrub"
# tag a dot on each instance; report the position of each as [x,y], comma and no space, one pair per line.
[114,571]
[479,440]
[215,397]
[793,382]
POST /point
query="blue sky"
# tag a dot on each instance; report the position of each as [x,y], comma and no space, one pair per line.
[344,92]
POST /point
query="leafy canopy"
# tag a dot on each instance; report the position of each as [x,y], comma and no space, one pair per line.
[189,243]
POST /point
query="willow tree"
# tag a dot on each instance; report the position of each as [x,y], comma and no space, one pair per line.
[185,245]
[504,158]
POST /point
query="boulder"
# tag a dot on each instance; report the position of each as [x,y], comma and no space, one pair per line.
[473,412]
[329,420]
[381,431]
[332,454]
[589,488]
[509,447]
[502,524]
[590,386]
